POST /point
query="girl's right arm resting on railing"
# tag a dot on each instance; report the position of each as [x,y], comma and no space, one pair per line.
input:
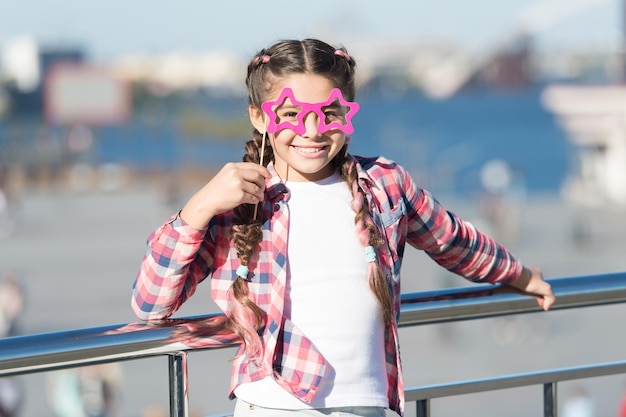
[174,264]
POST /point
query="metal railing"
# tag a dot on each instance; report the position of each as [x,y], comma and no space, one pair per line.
[176,337]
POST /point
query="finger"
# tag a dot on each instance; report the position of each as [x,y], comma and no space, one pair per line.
[253,184]
[254,190]
[255,173]
[250,199]
[260,169]
[545,298]
[547,302]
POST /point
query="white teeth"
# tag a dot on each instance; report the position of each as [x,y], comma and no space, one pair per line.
[308,150]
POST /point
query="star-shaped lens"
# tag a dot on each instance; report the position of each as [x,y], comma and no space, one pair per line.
[288,113]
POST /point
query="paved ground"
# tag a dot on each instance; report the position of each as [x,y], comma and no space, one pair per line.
[77,254]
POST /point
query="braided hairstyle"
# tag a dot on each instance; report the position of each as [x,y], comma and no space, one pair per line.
[308,56]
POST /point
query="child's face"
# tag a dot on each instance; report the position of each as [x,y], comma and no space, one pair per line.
[303,156]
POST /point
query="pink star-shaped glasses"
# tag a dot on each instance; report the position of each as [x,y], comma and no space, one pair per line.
[288,113]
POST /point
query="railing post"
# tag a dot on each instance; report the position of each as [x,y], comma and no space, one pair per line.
[422,408]
[550,400]
[178,384]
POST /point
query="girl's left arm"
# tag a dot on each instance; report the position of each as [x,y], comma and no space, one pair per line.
[461,248]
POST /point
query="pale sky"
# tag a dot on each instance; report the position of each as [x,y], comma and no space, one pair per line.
[114,27]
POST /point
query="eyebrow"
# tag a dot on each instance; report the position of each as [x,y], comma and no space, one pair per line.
[287,106]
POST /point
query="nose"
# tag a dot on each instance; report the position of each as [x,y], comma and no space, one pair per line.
[311,124]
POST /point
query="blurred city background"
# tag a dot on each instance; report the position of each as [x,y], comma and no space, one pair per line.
[112,114]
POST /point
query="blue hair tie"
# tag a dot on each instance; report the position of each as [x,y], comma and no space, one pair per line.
[370,254]
[242,271]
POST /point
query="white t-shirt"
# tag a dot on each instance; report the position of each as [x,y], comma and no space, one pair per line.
[330,301]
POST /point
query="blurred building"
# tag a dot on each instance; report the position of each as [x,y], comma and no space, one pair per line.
[592,115]
[24,67]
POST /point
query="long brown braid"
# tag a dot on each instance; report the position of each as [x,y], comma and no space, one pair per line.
[308,56]
[247,234]
[368,233]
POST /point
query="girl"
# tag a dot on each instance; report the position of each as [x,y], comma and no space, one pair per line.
[303,243]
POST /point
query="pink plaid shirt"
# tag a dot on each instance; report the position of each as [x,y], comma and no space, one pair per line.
[179,257]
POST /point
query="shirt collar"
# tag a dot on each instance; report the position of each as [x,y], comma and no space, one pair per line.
[275,187]
[365,181]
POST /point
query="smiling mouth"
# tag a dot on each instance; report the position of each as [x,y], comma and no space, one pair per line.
[309,150]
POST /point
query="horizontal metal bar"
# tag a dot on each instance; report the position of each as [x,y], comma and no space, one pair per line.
[59,350]
[514,381]
[51,351]
[483,301]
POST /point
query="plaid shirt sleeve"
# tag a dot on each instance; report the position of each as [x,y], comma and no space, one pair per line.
[455,243]
[177,260]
